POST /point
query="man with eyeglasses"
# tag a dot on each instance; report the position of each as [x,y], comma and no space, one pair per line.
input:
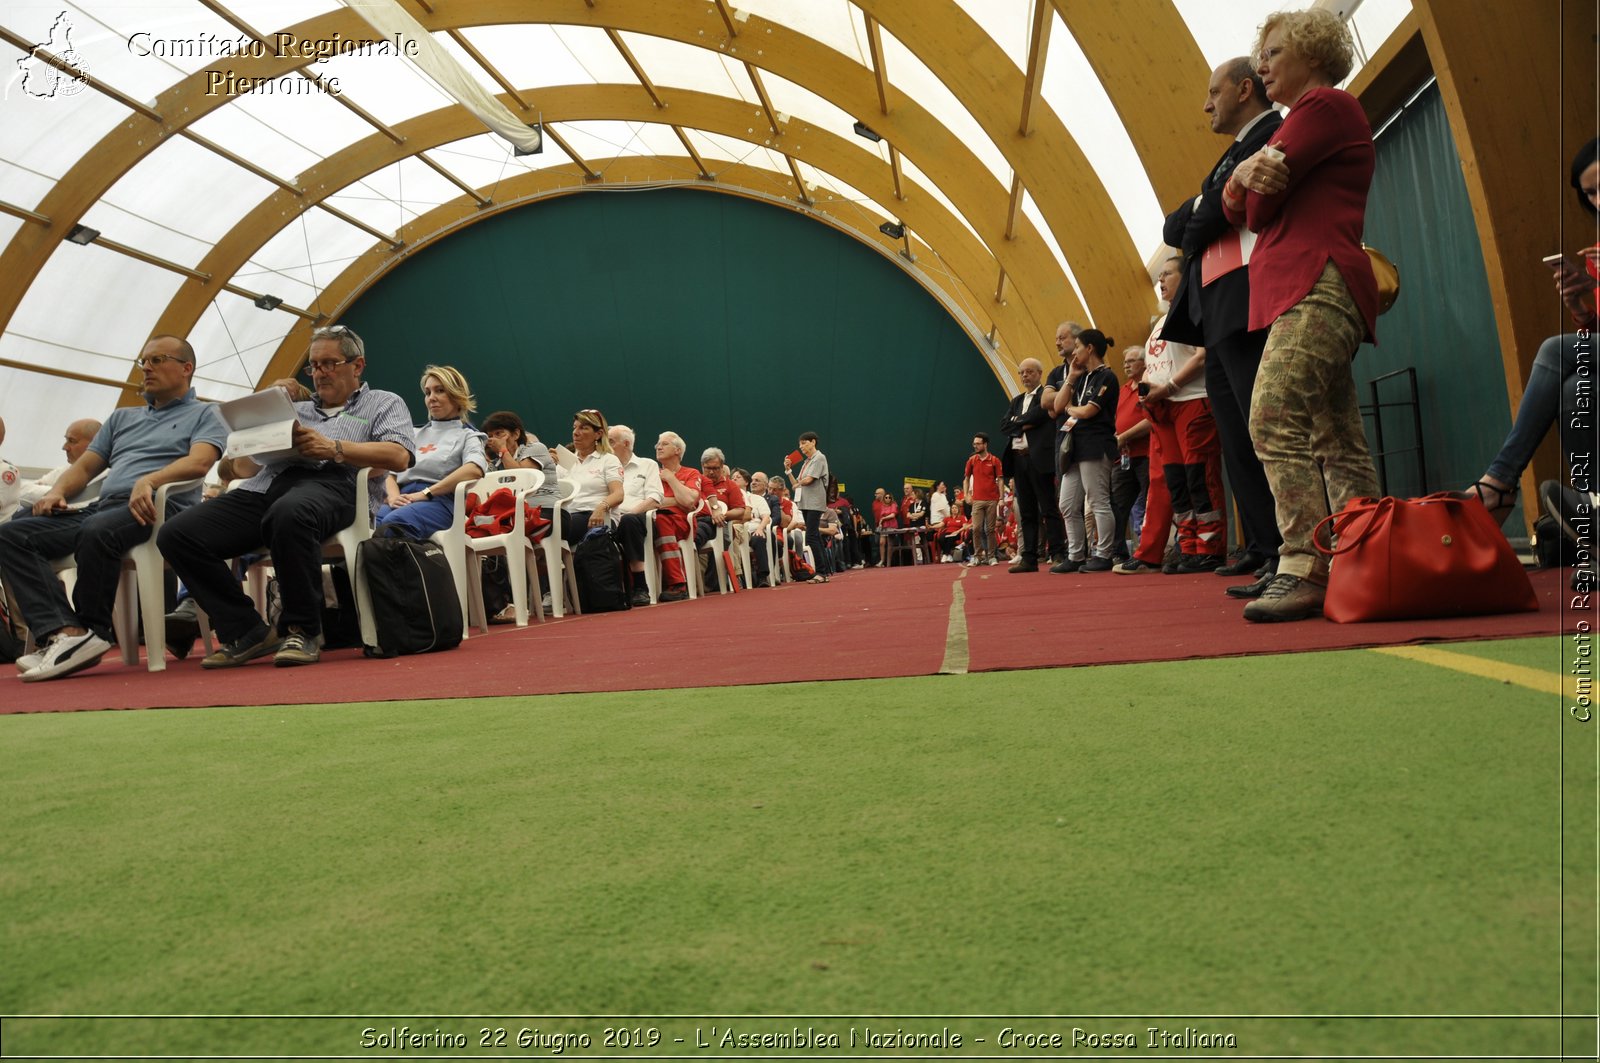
[291,506]
[172,437]
[725,506]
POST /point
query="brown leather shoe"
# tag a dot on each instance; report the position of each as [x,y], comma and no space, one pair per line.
[1287,598]
[1022,564]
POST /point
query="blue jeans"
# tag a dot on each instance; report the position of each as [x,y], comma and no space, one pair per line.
[418,520]
[1552,387]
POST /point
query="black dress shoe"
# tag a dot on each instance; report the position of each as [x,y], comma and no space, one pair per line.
[1246,562]
[1066,565]
[1250,590]
[1022,564]
[1200,563]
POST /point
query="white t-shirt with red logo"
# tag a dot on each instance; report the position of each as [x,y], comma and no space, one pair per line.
[1163,358]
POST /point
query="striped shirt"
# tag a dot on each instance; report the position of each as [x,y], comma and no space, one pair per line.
[367,416]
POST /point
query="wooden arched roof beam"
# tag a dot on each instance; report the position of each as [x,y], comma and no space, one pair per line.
[519,192]
[1042,294]
[1070,196]
[1109,269]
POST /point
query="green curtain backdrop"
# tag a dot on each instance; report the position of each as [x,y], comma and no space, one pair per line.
[735,323]
[1443,325]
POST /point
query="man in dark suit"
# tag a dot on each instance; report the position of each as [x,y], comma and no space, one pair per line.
[1212,306]
[1030,456]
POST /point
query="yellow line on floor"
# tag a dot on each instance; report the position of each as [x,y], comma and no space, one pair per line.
[955,637]
[1532,678]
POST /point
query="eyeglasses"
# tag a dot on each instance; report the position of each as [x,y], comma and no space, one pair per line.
[332,330]
[156,361]
[313,368]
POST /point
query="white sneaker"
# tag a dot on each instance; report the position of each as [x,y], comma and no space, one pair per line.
[29,661]
[68,654]
[993,561]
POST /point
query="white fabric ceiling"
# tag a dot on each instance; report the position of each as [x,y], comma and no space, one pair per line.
[88,311]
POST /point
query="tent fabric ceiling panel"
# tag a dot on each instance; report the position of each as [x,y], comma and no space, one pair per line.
[674,65]
[1007,21]
[309,252]
[48,134]
[34,429]
[232,342]
[141,48]
[385,86]
[22,187]
[485,160]
[90,309]
[1081,101]
[283,134]
[178,201]
[835,23]
[531,57]
[913,78]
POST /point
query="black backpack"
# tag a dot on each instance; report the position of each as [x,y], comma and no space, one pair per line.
[414,604]
[602,577]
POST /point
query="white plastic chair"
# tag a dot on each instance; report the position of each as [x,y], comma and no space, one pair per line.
[141,587]
[558,555]
[342,544]
[717,549]
[513,545]
[453,541]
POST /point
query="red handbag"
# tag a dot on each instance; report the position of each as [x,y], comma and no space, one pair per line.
[1419,558]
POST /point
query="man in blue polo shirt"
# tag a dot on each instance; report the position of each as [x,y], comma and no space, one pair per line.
[291,507]
[172,437]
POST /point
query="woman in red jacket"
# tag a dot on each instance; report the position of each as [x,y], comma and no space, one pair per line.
[1305,197]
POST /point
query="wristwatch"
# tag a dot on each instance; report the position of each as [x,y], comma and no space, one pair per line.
[338,451]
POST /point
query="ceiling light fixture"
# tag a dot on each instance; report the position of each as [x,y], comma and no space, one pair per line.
[893,230]
[268,302]
[864,130]
[82,234]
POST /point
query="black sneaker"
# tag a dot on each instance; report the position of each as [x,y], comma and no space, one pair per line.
[1572,509]
[183,628]
[297,648]
[1024,565]
[1065,566]
[1097,564]
[1200,563]
[259,643]
[677,593]
[1134,566]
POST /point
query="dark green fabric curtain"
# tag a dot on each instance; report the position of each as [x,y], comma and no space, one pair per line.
[734,323]
[1443,325]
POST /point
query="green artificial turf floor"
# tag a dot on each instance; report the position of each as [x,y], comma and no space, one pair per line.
[1316,834]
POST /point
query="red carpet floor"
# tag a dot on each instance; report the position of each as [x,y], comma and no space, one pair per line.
[862,625]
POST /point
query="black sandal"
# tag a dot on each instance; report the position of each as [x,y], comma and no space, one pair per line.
[1504,499]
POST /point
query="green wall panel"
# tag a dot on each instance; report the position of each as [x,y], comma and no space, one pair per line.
[735,323]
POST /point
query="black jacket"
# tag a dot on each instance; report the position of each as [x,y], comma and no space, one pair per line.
[1037,427]
[1203,314]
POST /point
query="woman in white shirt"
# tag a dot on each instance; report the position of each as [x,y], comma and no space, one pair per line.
[596,478]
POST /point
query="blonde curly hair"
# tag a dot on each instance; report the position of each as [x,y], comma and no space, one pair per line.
[1318,36]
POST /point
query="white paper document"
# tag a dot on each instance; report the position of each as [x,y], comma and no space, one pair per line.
[260,426]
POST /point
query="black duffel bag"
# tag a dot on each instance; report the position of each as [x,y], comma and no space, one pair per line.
[602,577]
[414,604]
